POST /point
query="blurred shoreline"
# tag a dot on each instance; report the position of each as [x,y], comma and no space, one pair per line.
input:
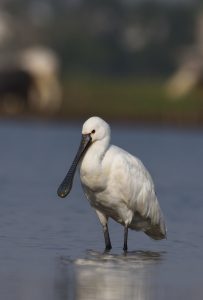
[144,120]
[125,100]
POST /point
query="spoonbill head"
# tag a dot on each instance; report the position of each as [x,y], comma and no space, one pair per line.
[116,184]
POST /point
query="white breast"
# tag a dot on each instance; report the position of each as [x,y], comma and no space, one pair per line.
[120,186]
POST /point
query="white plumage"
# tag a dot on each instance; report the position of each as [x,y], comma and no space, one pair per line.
[116,184]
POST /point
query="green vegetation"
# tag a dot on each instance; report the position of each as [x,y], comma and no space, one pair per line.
[107,37]
[129,99]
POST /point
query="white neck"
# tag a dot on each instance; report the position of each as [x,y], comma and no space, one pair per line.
[94,155]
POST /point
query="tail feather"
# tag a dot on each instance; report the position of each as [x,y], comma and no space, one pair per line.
[156,232]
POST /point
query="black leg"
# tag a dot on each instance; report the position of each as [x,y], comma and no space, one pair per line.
[125,245]
[107,238]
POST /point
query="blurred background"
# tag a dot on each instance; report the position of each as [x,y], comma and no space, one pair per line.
[135,63]
[135,60]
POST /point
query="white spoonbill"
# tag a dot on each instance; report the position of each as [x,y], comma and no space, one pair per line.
[116,184]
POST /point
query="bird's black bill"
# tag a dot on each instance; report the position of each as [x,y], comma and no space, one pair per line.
[65,187]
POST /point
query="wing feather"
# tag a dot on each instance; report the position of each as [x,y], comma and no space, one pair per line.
[135,187]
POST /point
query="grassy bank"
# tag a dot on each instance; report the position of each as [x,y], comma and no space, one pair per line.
[129,99]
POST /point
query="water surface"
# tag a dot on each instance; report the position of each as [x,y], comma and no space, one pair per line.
[53,249]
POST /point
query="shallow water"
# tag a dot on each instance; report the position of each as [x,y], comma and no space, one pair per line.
[53,249]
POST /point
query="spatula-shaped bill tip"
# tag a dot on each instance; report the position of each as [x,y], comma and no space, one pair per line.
[65,187]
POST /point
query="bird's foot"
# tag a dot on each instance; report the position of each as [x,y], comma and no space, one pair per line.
[125,249]
[108,248]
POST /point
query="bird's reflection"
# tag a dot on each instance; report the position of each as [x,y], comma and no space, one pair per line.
[109,277]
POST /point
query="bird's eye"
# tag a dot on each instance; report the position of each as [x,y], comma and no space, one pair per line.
[93,131]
